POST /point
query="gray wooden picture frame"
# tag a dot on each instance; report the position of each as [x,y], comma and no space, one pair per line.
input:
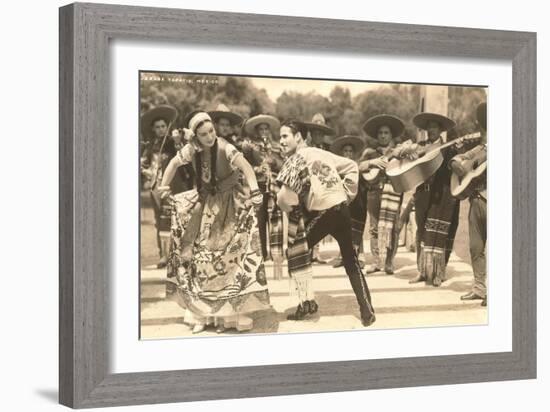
[85,32]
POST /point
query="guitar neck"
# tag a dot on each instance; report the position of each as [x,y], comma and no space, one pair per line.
[467,137]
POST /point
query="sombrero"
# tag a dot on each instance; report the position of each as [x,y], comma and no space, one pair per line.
[421,121]
[222,111]
[395,124]
[318,123]
[164,111]
[328,139]
[481,115]
[357,143]
[250,125]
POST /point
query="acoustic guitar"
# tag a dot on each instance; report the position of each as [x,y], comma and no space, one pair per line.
[373,174]
[406,174]
[461,187]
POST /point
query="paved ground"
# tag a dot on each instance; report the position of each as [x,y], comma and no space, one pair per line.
[397,303]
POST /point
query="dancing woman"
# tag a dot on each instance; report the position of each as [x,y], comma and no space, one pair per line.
[216,251]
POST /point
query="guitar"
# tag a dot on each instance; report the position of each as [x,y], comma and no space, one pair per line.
[406,174]
[461,187]
[373,174]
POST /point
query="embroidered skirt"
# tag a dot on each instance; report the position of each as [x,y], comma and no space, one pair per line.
[216,255]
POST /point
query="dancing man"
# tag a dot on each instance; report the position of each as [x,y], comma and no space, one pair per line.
[316,189]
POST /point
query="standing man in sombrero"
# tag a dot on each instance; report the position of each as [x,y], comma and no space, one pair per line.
[383,203]
[225,122]
[436,210]
[351,147]
[320,136]
[262,151]
[159,148]
[477,216]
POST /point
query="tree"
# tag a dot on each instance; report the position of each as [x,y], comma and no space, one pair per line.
[301,106]
[344,113]
[201,92]
[463,102]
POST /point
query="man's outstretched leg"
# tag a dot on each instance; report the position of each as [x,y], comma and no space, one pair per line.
[337,223]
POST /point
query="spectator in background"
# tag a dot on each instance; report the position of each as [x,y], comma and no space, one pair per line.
[436,210]
[321,136]
[261,149]
[383,203]
[477,216]
[159,147]
[225,122]
[351,147]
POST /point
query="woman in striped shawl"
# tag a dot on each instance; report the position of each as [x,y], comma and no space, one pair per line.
[383,203]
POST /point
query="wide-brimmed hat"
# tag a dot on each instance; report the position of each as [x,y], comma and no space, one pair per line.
[372,125]
[250,125]
[355,141]
[481,115]
[164,111]
[318,123]
[222,111]
[421,121]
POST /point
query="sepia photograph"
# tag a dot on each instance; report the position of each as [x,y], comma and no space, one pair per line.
[290,205]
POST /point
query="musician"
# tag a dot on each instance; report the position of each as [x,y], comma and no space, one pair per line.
[316,188]
[351,147]
[436,210]
[262,151]
[477,216]
[225,122]
[383,203]
[159,148]
[321,136]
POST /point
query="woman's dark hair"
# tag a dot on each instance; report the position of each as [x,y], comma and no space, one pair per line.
[296,126]
[198,166]
[198,158]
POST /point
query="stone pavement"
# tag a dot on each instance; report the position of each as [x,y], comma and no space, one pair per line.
[397,303]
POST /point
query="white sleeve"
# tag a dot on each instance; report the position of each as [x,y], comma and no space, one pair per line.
[185,155]
[349,173]
[232,154]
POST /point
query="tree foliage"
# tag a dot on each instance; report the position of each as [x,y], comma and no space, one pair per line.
[344,113]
